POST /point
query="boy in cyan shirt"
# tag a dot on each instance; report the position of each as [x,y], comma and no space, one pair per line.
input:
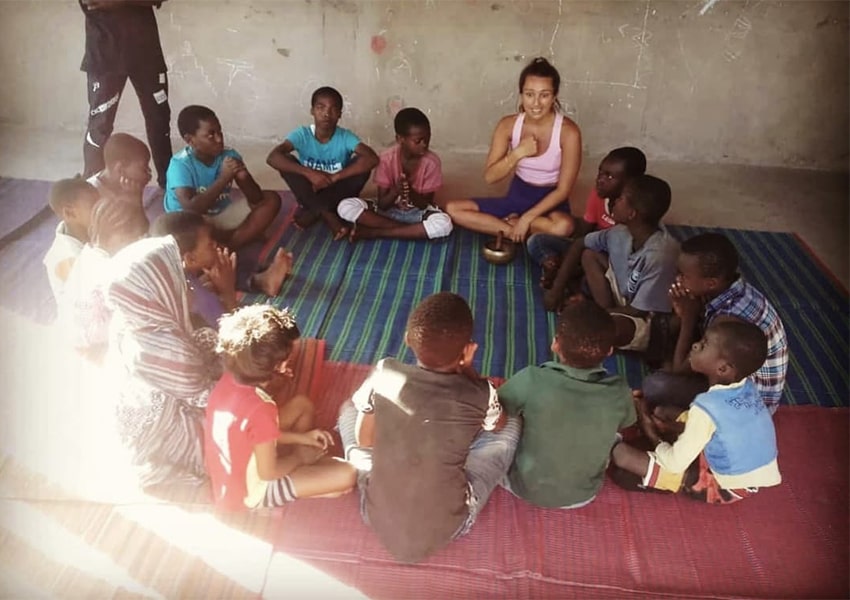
[727,450]
[332,163]
[200,178]
[571,411]
[408,175]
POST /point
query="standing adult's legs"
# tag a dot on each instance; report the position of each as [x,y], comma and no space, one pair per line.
[104,93]
[152,90]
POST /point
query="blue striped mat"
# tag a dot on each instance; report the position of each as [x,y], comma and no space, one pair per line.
[358,297]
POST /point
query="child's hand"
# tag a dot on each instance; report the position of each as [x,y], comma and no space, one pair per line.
[230,167]
[222,275]
[308,455]
[685,304]
[527,146]
[318,179]
[317,438]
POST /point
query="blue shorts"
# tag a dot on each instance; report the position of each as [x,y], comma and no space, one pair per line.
[521,196]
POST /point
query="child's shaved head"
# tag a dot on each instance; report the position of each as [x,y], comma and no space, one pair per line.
[585,333]
[66,192]
[124,148]
[744,345]
[439,329]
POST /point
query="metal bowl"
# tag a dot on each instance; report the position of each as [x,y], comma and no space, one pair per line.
[499,251]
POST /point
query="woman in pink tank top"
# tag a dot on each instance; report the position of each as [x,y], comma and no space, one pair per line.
[541,148]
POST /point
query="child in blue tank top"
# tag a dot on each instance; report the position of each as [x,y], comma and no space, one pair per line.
[727,449]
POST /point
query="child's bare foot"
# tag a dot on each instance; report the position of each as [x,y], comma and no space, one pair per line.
[304,219]
[511,219]
[550,268]
[270,280]
[337,226]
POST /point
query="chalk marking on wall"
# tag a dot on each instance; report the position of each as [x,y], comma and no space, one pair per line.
[188,52]
[236,67]
[707,6]
[611,83]
[642,41]
[555,31]
[734,40]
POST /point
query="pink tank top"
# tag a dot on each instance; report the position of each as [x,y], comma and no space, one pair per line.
[546,168]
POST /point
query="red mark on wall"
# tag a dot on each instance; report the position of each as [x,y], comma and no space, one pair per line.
[379,44]
[394,104]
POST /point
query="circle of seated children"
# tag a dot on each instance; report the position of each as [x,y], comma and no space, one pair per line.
[727,344]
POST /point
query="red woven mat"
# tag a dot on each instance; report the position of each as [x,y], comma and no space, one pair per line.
[790,541]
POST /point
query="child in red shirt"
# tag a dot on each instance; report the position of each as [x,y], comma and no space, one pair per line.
[261,451]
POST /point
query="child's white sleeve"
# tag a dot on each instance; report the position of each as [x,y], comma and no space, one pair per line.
[494,410]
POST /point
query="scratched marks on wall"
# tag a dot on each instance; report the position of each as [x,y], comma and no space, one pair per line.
[733,45]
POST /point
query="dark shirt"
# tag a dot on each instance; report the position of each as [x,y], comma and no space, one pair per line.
[122,40]
[424,424]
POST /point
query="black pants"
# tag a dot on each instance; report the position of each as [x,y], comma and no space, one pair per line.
[327,198]
[104,91]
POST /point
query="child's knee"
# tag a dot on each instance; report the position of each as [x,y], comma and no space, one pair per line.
[271,198]
[437,225]
[592,262]
[350,209]
[619,454]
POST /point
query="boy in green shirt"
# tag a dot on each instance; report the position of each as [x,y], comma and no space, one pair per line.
[571,409]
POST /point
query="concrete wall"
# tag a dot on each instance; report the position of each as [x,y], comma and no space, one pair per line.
[755,82]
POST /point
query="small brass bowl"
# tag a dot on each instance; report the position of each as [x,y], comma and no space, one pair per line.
[499,251]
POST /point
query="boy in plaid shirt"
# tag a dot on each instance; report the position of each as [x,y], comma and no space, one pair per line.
[709,290]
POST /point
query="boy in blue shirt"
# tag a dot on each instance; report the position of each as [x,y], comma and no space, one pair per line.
[332,163]
[200,179]
[628,267]
[727,450]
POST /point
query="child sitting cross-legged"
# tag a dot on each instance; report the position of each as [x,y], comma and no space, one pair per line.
[571,411]
[200,179]
[407,176]
[727,449]
[427,438]
[262,450]
[332,163]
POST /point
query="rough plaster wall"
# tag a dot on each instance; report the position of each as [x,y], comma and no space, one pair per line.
[759,82]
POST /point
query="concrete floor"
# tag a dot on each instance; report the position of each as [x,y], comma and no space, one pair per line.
[813,204]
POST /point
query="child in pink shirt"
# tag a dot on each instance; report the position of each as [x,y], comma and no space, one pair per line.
[615,169]
[407,177]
